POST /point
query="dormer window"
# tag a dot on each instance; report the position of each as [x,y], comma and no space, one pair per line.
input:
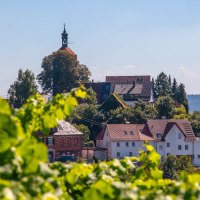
[60,127]
[159,135]
[125,132]
[131,132]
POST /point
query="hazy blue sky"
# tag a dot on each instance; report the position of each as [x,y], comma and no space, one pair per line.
[115,37]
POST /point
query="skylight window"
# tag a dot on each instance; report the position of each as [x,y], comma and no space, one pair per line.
[125,132]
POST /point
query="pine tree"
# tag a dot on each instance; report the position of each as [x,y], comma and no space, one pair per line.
[162,86]
[174,89]
[181,96]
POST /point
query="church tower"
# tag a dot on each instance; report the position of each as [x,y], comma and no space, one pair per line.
[65,43]
[64,38]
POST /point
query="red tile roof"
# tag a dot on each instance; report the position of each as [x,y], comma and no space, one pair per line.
[153,130]
[126,79]
[163,126]
[127,132]
[68,50]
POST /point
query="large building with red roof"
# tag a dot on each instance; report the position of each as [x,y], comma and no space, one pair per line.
[174,137]
[129,88]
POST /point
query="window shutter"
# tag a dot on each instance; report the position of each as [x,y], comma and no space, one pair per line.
[47,141]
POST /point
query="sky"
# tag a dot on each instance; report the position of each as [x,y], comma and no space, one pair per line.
[115,37]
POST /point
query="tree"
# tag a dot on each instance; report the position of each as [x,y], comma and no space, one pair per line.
[181,96]
[22,88]
[162,86]
[61,72]
[91,97]
[194,119]
[172,166]
[165,107]
[118,116]
[174,89]
[85,130]
[180,113]
[90,116]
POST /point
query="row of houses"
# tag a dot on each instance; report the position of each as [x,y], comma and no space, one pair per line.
[174,137]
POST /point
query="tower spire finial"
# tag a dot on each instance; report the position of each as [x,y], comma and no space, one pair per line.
[64,38]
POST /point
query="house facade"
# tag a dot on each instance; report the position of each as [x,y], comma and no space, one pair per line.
[174,137]
[64,140]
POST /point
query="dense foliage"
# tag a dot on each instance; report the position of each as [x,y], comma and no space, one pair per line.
[195,121]
[26,175]
[22,88]
[61,72]
[172,166]
[164,87]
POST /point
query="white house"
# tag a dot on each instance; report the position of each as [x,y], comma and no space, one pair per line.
[167,136]
[121,140]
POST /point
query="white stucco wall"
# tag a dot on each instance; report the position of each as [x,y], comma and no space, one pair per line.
[125,150]
[173,139]
[197,152]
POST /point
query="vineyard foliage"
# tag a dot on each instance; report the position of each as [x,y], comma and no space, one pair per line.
[25,174]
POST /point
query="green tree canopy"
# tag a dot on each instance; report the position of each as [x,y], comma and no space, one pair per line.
[61,72]
[162,85]
[180,113]
[22,88]
[195,122]
[181,96]
[165,107]
[90,116]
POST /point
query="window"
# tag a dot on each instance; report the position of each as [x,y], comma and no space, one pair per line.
[50,141]
[133,144]
[159,135]
[131,132]
[198,156]
[130,154]
[186,147]
[179,136]
[179,147]
[160,147]
[118,144]
[127,144]
[125,132]
[168,144]
[118,154]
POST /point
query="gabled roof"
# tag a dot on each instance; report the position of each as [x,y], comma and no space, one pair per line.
[127,132]
[136,85]
[113,102]
[122,88]
[65,128]
[159,128]
[100,134]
